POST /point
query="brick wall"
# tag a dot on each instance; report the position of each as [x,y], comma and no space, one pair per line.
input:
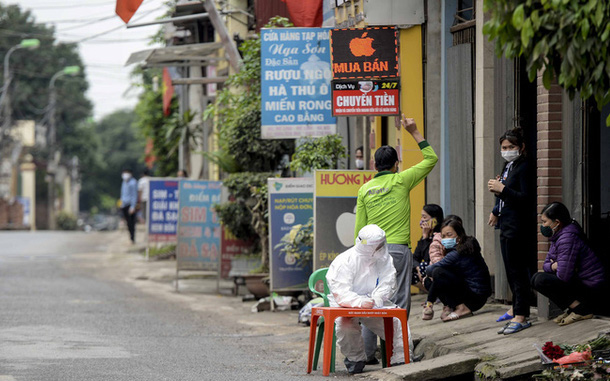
[549,153]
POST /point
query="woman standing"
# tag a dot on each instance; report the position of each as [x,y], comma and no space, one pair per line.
[573,275]
[512,215]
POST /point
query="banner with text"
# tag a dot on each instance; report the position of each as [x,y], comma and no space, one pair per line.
[290,207]
[295,83]
[335,196]
[199,230]
[369,98]
[231,246]
[162,210]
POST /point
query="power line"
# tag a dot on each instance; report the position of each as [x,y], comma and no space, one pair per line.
[80,5]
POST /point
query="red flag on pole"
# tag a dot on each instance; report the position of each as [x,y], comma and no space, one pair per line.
[127,8]
[305,13]
[168,91]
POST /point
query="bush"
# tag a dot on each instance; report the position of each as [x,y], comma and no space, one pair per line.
[65,221]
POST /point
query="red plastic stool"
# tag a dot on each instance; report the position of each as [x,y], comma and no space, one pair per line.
[330,314]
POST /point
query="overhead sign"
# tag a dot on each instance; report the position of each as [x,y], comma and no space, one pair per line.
[290,205]
[162,210]
[371,98]
[199,230]
[335,198]
[364,53]
[295,83]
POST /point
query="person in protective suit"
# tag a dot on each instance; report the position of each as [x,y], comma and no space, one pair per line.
[363,277]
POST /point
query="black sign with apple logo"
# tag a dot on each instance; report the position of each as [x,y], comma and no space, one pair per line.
[364,53]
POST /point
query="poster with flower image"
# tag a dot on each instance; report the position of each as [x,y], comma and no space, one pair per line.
[290,236]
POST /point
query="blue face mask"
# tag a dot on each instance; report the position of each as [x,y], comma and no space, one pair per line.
[449,243]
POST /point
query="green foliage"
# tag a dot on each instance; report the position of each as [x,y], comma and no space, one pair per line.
[237,218]
[298,243]
[567,40]
[65,221]
[162,252]
[151,123]
[237,112]
[116,146]
[318,153]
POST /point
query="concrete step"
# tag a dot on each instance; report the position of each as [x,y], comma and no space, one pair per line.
[440,368]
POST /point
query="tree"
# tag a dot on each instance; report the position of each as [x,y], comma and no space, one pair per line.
[152,124]
[567,40]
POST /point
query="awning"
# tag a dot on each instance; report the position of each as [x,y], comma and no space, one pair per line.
[173,54]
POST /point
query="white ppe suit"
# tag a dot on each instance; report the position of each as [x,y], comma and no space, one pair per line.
[364,277]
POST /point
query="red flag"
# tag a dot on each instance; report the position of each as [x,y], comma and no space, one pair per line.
[149,156]
[305,13]
[168,91]
[127,8]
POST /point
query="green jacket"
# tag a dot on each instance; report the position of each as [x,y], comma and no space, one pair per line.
[384,200]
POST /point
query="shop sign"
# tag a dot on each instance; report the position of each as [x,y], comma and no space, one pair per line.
[370,98]
[364,53]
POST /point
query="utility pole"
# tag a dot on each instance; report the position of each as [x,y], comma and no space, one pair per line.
[54,154]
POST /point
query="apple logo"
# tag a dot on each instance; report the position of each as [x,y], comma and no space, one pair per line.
[362,46]
[345,225]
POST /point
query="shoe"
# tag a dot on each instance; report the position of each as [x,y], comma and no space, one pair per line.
[372,361]
[573,318]
[446,311]
[559,318]
[514,327]
[354,367]
[398,363]
[501,331]
[428,312]
[505,317]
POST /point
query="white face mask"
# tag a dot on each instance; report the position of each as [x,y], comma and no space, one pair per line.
[126,176]
[359,163]
[510,155]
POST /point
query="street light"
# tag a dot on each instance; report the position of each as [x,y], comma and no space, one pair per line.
[53,154]
[29,43]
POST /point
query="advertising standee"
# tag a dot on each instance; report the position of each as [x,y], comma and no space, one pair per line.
[199,230]
[290,207]
[366,98]
[335,198]
[162,210]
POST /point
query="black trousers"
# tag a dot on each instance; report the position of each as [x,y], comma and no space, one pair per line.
[515,254]
[565,293]
[131,223]
[451,288]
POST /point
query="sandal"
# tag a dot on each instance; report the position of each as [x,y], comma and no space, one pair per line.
[504,317]
[573,318]
[454,316]
[514,327]
[428,312]
[559,318]
[501,331]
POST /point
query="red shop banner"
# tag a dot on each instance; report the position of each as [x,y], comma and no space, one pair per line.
[369,98]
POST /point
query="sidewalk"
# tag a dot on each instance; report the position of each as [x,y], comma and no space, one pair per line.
[469,346]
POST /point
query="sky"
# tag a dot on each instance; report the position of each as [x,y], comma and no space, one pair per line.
[105,55]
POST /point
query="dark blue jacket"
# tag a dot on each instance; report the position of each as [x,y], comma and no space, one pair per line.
[468,262]
[575,259]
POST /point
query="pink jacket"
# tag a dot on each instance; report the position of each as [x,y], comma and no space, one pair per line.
[437,251]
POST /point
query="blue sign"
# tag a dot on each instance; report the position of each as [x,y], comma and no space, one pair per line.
[290,207]
[162,210]
[295,82]
[199,230]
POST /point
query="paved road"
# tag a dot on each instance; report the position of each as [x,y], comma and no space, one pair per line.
[61,320]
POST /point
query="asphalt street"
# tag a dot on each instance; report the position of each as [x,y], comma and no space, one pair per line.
[64,316]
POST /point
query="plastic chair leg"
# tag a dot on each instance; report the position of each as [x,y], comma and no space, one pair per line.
[319,339]
[384,363]
[334,350]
